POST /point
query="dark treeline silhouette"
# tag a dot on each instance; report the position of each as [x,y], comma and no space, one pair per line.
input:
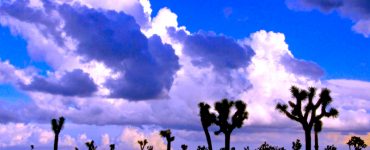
[228,115]
[330,147]
[266,146]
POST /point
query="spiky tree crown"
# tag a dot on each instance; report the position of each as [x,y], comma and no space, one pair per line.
[309,110]
[167,134]
[206,117]
[57,126]
[223,108]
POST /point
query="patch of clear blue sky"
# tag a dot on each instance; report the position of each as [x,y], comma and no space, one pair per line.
[326,39]
[14,48]
[12,94]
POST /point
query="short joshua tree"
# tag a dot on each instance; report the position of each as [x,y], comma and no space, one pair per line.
[91,145]
[184,147]
[142,143]
[112,147]
[296,145]
[330,147]
[150,147]
[357,143]
[167,134]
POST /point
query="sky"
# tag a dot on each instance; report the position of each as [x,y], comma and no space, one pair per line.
[122,70]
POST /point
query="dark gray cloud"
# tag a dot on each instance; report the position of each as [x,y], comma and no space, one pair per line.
[302,67]
[147,76]
[220,52]
[147,66]
[74,83]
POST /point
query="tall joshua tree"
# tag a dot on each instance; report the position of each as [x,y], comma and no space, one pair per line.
[57,126]
[317,127]
[306,115]
[167,134]
[207,120]
[142,143]
[356,142]
[223,109]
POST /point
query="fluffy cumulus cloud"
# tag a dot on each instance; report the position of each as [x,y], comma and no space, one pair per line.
[112,64]
[144,66]
[357,10]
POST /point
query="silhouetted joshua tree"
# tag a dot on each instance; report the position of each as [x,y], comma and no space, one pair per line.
[207,120]
[57,126]
[184,147]
[356,142]
[76,148]
[296,145]
[150,147]
[246,148]
[142,143]
[223,109]
[330,147]
[202,148]
[167,134]
[112,147]
[317,127]
[32,147]
[91,146]
[307,116]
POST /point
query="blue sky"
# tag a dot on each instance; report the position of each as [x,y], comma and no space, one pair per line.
[120,71]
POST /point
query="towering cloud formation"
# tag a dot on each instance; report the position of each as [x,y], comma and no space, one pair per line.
[144,66]
[357,10]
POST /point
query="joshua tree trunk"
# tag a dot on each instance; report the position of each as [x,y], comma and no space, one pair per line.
[168,145]
[307,133]
[227,141]
[206,132]
[56,138]
[316,141]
